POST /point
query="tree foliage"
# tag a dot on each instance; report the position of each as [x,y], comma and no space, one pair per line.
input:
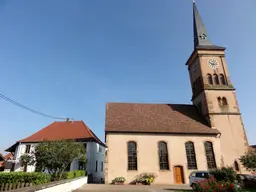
[55,156]
[248,160]
[27,159]
[226,174]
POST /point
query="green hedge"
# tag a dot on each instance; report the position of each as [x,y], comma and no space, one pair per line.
[73,174]
[36,178]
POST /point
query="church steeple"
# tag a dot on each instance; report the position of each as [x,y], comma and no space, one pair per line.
[200,34]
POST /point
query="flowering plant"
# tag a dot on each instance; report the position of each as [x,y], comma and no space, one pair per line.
[146,178]
[119,180]
[210,185]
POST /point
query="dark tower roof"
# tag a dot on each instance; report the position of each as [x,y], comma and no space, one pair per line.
[201,38]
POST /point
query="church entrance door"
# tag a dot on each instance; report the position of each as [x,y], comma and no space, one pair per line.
[178,175]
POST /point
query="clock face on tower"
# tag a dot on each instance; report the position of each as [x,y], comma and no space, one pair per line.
[213,63]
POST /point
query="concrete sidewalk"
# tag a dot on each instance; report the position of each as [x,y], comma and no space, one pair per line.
[132,188]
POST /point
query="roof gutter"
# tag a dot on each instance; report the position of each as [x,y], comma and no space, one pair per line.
[159,133]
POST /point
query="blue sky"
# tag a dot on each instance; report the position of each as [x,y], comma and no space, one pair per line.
[68,58]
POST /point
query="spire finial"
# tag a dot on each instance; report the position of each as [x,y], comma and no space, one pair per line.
[200,34]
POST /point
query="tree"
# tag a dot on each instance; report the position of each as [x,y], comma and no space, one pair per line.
[25,160]
[82,162]
[55,156]
[248,160]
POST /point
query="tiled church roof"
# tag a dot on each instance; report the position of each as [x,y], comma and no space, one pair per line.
[155,118]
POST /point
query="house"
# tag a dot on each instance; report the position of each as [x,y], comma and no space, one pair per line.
[4,164]
[172,140]
[77,130]
[1,162]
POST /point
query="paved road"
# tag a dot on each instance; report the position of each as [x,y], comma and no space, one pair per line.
[131,188]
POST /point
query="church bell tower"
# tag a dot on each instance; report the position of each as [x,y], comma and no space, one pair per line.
[214,94]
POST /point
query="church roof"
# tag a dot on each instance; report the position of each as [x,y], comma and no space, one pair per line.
[155,118]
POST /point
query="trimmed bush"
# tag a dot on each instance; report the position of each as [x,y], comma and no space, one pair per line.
[36,178]
[73,174]
[226,174]
[67,175]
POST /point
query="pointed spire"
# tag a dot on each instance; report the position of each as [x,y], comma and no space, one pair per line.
[200,35]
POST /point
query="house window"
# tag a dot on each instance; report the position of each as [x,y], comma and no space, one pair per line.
[209,153]
[191,156]
[96,167]
[101,165]
[209,79]
[222,80]
[100,149]
[236,166]
[27,148]
[216,79]
[132,155]
[163,155]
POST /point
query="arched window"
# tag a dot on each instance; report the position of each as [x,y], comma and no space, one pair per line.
[236,166]
[191,155]
[216,79]
[222,80]
[163,156]
[209,79]
[132,155]
[219,101]
[209,153]
[224,101]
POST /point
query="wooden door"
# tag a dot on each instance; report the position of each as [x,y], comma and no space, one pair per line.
[178,174]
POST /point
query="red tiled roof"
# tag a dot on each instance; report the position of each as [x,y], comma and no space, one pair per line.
[4,158]
[155,118]
[62,131]
[9,155]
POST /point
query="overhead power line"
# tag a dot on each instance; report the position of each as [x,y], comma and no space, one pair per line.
[29,109]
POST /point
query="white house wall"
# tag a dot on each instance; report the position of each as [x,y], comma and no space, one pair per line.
[94,152]
[20,150]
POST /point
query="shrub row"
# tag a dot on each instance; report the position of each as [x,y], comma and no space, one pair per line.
[226,174]
[36,178]
[73,174]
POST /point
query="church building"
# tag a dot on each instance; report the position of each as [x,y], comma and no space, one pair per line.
[171,140]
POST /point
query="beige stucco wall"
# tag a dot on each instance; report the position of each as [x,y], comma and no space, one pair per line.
[233,140]
[227,119]
[147,154]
